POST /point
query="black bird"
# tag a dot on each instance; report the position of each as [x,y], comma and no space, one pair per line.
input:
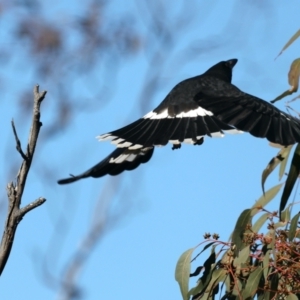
[207,104]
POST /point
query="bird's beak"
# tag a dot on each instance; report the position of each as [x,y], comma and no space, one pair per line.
[231,62]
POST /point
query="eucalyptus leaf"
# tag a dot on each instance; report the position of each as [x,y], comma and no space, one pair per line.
[293,79]
[265,199]
[284,162]
[260,222]
[293,226]
[240,227]
[291,297]
[242,257]
[266,265]
[290,41]
[282,95]
[237,289]
[279,159]
[286,214]
[294,74]
[215,276]
[182,272]
[204,248]
[252,283]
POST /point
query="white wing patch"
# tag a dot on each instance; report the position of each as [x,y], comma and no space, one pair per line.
[233,131]
[189,114]
[106,137]
[131,157]
[127,157]
[117,141]
[123,157]
[217,134]
[153,115]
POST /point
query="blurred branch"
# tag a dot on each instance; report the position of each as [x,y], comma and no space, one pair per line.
[70,288]
[101,222]
[15,191]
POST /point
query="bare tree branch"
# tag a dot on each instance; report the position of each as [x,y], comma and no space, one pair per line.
[15,191]
[18,146]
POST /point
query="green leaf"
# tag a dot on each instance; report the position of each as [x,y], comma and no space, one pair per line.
[291,179]
[283,164]
[293,226]
[214,276]
[217,276]
[282,95]
[243,256]
[265,199]
[279,224]
[290,41]
[280,159]
[265,296]
[204,248]
[252,283]
[260,222]
[294,74]
[182,272]
[291,297]
[293,79]
[274,162]
[196,290]
[237,289]
[227,257]
[227,283]
[266,264]
[240,227]
[286,214]
[205,279]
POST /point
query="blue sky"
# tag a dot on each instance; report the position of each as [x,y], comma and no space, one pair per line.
[155,213]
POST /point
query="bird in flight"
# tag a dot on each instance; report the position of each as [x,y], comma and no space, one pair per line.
[205,105]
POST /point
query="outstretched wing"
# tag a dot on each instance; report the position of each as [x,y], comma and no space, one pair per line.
[249,113]
[178,118]
[159,128]
[115,163]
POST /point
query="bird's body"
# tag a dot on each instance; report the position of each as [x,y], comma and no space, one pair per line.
[207,104]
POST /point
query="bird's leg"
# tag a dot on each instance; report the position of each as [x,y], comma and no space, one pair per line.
[199,142]
[176,146]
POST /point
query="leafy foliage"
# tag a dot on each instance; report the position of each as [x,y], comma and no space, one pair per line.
[252,265]
[293,173]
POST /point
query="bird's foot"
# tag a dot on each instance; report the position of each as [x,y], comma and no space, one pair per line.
[199,142]
[176,146]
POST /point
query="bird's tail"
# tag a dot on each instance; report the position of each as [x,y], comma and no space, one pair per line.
[115,163]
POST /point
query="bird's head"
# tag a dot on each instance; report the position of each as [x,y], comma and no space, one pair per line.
[222,70]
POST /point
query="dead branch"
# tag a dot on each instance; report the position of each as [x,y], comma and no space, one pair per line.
[15,190]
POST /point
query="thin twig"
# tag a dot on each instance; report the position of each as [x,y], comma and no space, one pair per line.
[18,146]
[31,206]
[15,191]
